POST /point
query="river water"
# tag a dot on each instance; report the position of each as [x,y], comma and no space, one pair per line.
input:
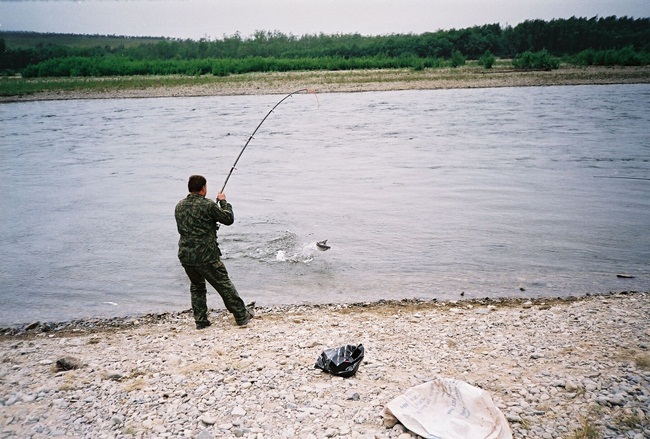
[523,192]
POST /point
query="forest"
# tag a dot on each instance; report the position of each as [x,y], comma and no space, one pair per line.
[532,44]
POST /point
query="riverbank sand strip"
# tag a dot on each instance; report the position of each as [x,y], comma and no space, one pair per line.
[553,366]
[357,81]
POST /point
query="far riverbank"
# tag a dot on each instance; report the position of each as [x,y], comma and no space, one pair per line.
[321,82]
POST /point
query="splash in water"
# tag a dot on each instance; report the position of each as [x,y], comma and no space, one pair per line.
[304,255]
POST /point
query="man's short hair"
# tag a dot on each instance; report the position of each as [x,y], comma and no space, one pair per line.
[196,183]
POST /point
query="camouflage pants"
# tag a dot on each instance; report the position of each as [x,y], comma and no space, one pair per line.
[217,276]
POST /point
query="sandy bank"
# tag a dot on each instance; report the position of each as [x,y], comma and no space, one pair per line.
[356,81]
[555,367]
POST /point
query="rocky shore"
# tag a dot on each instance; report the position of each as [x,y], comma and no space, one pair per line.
[557,368]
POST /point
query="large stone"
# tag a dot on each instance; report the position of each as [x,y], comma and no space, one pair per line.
[208,419]
[67,363]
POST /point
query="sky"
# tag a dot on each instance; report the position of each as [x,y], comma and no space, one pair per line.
[214,19]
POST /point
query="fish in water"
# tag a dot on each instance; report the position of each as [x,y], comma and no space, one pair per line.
[322,245]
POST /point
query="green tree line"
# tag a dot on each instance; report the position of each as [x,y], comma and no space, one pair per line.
[531,44]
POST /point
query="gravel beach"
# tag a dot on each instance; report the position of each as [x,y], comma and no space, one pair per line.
[557,368]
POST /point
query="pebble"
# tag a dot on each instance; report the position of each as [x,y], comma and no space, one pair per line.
[547,363]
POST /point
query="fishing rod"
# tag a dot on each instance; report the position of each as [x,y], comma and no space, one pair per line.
[258,127]
[621,177]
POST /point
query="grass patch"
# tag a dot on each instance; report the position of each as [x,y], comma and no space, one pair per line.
[10,86]
[642,361]
[137,384]
[71,381]
[587,430]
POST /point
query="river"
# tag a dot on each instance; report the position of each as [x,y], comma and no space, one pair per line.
[527,192]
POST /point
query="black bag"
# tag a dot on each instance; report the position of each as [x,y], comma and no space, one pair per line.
[343,361]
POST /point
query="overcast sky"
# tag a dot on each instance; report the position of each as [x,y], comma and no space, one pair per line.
[218,18]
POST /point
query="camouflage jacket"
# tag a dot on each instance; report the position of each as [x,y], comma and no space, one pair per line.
[196,220]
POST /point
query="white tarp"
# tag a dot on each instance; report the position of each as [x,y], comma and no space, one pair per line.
[445,408]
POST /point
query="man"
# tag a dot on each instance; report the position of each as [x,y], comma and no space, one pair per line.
[198,251]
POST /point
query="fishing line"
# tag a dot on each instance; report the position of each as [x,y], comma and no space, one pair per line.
[321,245]
[258,127]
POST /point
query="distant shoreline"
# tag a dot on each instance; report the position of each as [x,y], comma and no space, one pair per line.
[330,82]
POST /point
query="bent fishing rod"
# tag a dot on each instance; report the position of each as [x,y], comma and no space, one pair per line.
[258,127]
